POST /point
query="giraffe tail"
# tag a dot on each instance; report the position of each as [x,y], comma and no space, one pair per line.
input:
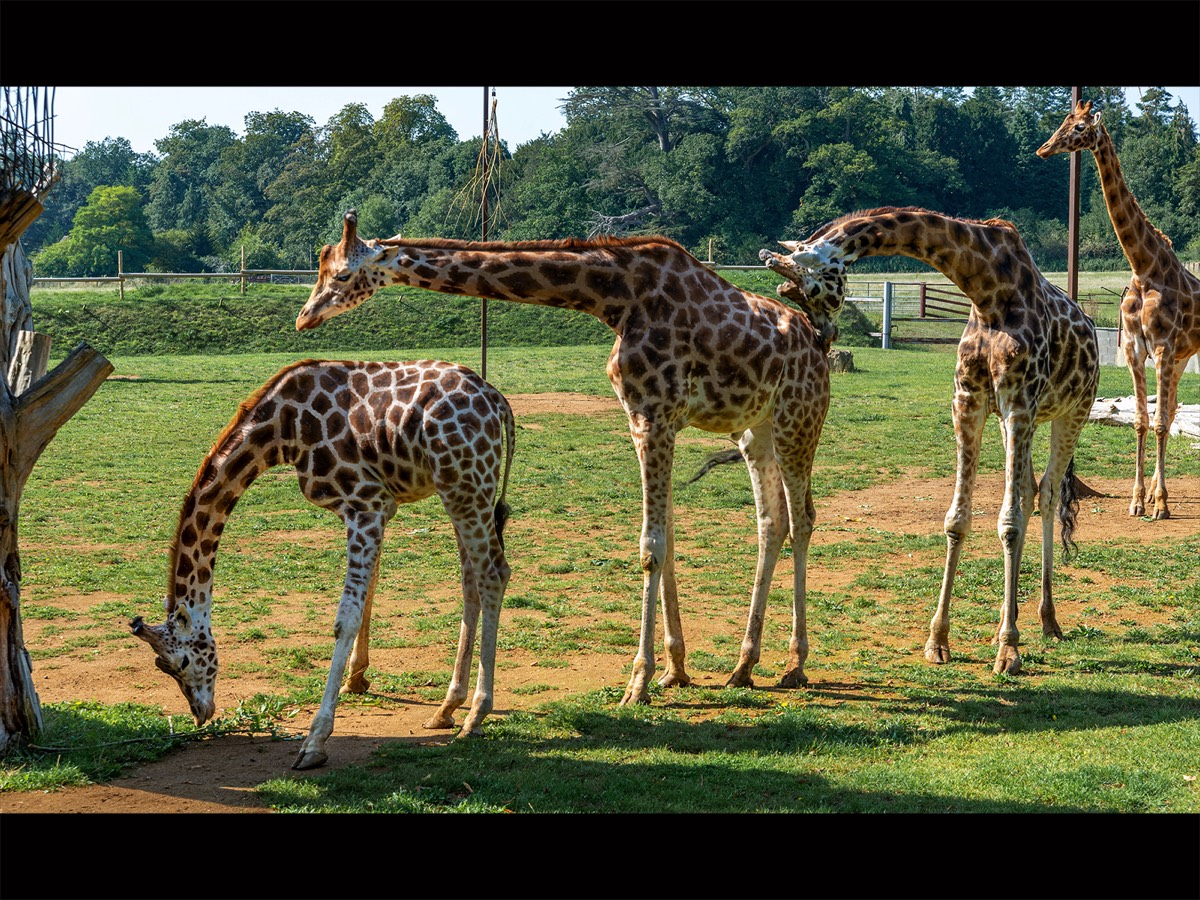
[1068,509]
[503,510]
[717,459]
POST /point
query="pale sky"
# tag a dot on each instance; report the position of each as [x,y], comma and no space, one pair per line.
[146,114]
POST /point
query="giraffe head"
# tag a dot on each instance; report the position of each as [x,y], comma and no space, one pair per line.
[184,648]
[346,276]
[1078,131]
[819,291]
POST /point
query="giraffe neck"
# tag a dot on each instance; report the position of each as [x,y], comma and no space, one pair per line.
[964,251]
[249,445]
[601,278]
[1141,242]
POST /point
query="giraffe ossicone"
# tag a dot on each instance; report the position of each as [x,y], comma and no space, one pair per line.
[1028,354]
[691,349]
[1160,310]
[364,438]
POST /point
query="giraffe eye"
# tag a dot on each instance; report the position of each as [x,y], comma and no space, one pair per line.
[1080,127]
[345,277]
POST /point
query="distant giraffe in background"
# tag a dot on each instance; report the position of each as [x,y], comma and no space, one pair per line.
[1160,311]
[364,437]
[691,349]
[1028,354]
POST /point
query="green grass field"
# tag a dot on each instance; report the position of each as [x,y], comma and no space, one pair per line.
[1107,720]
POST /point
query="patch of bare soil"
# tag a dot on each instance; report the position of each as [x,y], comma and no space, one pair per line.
[219,775]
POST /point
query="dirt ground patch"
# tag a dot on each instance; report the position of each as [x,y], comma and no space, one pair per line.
[219,775]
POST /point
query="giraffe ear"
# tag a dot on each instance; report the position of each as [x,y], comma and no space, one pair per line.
[183,619]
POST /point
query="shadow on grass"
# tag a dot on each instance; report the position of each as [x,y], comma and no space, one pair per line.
[591,756]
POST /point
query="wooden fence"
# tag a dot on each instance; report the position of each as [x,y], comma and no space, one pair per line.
[243,275]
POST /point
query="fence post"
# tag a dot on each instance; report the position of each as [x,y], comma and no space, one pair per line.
[121,272]
[887,316]
[922,313]
[243,270]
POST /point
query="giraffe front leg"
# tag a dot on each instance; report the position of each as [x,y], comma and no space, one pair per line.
[363,540]
[803,515]
[1011,525]
[357,681]
[675,675]
[655,447]
[969,413]
[1141,425]
[1168,371]
[770,501]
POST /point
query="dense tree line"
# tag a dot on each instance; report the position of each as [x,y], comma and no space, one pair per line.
[740,167]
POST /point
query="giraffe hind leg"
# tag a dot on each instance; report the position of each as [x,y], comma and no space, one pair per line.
[356,679]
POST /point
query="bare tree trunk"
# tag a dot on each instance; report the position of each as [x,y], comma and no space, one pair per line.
[33,406]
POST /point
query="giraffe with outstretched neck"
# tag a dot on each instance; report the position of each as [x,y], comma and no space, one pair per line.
[1028,354]
[364,437]
[691,350]
[1160,311]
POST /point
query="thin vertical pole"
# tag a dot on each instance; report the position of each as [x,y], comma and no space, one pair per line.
[886,337]
[484,233]
[1073,214]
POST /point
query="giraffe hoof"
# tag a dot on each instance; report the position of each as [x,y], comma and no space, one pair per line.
[937,653]
[1008,662]
[672,679]
[439,721]
[793,679]
[310,759]
[1051,630]
[632,696]
[355,686]
[740,678]
[1162,514]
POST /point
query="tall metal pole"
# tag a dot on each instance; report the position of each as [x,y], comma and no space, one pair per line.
[1073,214]
[484,233]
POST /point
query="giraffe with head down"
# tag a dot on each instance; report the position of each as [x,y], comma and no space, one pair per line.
[364,437]
[1028,354]
[691,350]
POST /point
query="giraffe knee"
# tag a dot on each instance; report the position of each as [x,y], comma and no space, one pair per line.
[654,552]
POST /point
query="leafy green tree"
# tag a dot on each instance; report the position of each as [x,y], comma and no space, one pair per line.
[173,253]
[111,221]
[542,195]
[186,177]
[247,167]
[111,162]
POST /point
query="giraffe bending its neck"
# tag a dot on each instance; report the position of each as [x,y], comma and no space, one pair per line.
[1160,312]
[363,437]
[691,349]
[1028,354]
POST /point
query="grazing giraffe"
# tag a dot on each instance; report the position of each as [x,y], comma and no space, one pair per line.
[364,437]
[1160,311]
[1028,354]
[691,349]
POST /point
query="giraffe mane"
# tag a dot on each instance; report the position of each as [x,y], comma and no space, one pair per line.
[205,468]
[570,243]
[893,210]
